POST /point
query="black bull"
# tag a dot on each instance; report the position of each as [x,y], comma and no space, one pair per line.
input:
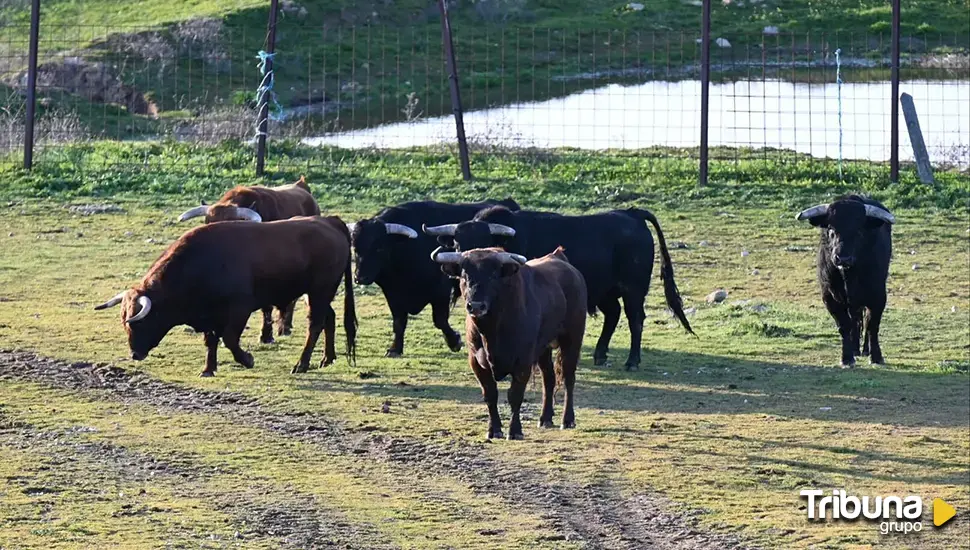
[391,252]
[614,251]
[855,249]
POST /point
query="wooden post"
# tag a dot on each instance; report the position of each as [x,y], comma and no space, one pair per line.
[894,119]
[263,107]
[705,86]
[31,85]
[923,166]
[466,171]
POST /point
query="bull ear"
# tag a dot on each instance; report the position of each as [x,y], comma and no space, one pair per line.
[451,270]
[509,269]
[819,221]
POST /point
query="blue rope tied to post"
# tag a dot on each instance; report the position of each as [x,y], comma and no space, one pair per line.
[838,82]
[275,111]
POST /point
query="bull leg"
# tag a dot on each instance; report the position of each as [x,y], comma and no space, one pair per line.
[329,332]
[317,319]
[548,388]
[400,323]
[865,334]
[266,336]
[230,337]
[840,313]
[610,307]
[284,326]
[856,330]
[633,306]
[566,361]
[516,394]
[872,331]
[439,314]
[211,354]
[490,395]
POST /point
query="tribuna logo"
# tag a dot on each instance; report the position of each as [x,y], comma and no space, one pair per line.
[895,514]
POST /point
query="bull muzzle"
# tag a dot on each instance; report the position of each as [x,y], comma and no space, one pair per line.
[476,309]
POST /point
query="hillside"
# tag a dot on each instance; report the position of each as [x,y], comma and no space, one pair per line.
[360,63]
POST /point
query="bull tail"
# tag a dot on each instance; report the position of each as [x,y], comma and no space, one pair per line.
[350,312]
[671,294]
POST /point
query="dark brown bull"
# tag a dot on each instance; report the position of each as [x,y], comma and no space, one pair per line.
[267,204]
[216,275]
[518,311]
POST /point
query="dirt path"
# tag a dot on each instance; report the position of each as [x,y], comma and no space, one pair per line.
[596,514]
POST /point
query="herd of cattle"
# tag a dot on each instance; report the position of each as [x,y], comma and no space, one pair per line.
[528,280]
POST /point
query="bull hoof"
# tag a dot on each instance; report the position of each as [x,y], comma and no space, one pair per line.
[601,361]
[298,369]
[207,374]
[247,361]
[455,346]
[632,366]
[284,332]
[877,361]
[847,364]
[327,361]
[546,424]
[267,340]
[495,434]
[516,436]
[393,353]
[568,425]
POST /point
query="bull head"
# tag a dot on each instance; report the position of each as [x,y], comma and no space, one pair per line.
[872,211]
[483,273]
[847,228]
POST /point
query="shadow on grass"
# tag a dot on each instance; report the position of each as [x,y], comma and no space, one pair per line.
[715,385]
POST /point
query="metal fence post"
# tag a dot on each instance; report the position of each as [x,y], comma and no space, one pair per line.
[894,120]
[31,85]
[466,172]
[705,85]
[263,107]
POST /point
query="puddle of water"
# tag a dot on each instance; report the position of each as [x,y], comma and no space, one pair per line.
[777,114]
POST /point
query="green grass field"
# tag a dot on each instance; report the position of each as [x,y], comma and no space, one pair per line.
[723,429]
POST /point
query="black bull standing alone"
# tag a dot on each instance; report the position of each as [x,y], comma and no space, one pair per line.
[853,265]
[518,312]
[216,275]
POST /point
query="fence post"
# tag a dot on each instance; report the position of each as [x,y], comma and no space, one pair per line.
[705,85]
[894,121]
[923,165]
[263,107]
[466,171]
[31,85]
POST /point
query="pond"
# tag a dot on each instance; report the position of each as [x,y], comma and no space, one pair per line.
[775,114]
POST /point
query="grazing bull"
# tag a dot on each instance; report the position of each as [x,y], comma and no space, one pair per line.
[391,253]
[262,204]
[613,251]
[216,275]
[853,264]
[518,312]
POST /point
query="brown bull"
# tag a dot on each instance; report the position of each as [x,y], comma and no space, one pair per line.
[266,204]
[518,312]
[216,275]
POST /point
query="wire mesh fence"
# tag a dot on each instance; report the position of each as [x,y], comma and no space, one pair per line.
[776,99]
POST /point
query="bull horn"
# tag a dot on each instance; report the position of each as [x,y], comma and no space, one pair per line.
[248,214]
[146,305]
[501,230]
[440,230]
[112,302]
[508,257]
[445,257]
[879,214]
[398,229]
[812,212]
[193,213]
